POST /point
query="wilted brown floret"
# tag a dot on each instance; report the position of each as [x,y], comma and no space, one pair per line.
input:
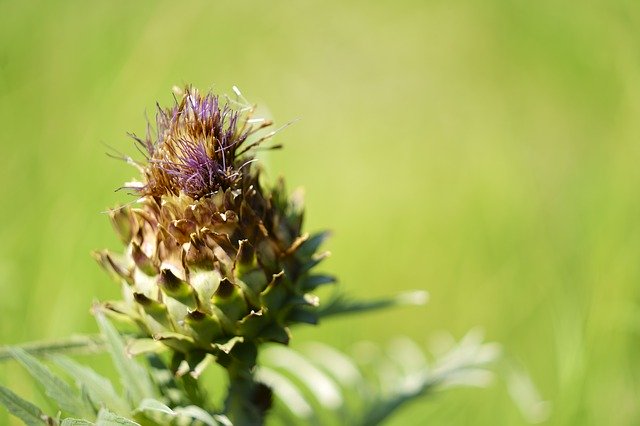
[200,145]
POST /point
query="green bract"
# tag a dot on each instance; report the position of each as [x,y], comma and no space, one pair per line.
[215,262]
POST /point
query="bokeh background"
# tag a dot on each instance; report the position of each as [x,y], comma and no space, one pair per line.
[485,151]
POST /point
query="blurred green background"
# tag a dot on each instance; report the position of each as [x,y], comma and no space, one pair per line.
[485,151]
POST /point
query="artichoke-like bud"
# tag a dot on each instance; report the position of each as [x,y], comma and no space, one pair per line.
[215,262]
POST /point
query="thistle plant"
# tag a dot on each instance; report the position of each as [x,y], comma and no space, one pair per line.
[215,263]
[215,267]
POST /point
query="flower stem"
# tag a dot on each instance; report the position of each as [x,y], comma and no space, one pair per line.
[247,400]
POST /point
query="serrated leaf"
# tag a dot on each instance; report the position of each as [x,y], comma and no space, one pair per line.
[133,376]
[75,345]
[57,389]
[21,408]
[341,304]
[75,422]
[323,388]
[340,366]
[464,364]
[99,388]
[107,418]
[286,391]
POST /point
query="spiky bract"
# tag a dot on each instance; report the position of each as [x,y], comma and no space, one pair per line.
[213,258]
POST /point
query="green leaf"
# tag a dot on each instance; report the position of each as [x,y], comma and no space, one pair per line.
[341,304]
[191,412]
[75,422]
[463,365]
[133,376]
[75,345]
[196,413]
[107,418]
[152,405]
[286,391]
[100,389]
[22,409]
[312,282]
[58,390]
[320,385]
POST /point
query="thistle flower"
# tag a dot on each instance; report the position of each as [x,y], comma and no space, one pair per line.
[214,262]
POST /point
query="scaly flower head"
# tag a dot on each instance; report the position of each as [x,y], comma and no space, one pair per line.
[212,258]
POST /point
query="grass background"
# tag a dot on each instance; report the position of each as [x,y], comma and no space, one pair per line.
[485,151]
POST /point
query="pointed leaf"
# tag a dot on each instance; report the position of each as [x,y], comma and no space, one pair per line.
[22,409]
[340,366]
[312,282]
[152,405]
[191,412]
[58,390]
[76,345]
[323,388]
[100,389]
[309,247]
[134,378]
[107,418]
[286,391]
[341,304]
[196,413]
[75,422]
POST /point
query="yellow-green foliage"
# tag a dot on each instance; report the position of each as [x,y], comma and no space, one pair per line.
[485,151]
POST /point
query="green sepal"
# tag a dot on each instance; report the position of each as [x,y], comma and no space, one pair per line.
[311,282]
[144,346]
[205,327]
[228,300]
[115,265]
[244,354]
[252,325]
[156,310]
[302,314]
[176,288]
[121,313]
[311,246]
[142,261]
[246,258]
[205,284]
[122,223]
[255,279]
[249,294]
[228,345]
[276,333]
[313,261]
[176,341]
[274,296]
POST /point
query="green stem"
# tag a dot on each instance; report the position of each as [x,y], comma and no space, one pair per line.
[247,400]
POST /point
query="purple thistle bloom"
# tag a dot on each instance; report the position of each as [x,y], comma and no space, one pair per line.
[195,149]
